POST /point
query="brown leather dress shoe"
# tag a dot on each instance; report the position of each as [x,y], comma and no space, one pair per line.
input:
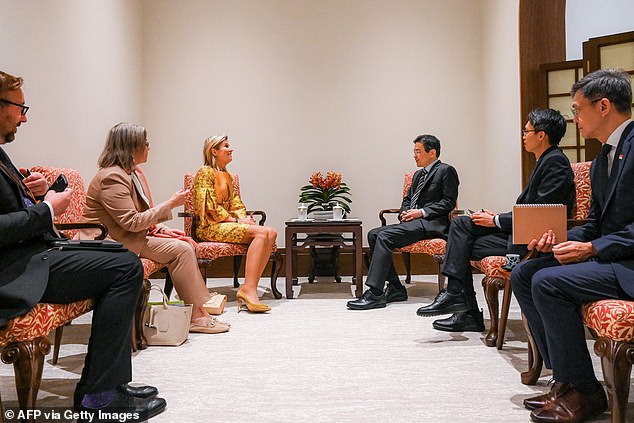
[571,406]
[540,401]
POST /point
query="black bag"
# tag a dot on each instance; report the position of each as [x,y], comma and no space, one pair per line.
[64,244]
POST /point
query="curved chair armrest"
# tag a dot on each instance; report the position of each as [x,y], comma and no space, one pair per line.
[66,226]
[260,213]
[383,212]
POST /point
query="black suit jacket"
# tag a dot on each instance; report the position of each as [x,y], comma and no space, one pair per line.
[610,224]
[437,198]
[23,257]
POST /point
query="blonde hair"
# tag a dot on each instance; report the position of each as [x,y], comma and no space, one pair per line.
[123,140]
[212,143]
[9,82]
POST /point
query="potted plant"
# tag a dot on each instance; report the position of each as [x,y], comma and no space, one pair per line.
[324,193]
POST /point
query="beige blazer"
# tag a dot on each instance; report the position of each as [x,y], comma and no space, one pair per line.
[113,199]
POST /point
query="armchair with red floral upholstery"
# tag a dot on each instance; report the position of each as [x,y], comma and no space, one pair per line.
[207,252]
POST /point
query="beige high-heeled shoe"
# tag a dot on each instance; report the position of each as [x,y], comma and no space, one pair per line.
[245,304]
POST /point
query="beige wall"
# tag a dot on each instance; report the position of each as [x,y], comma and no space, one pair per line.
[81,62]
[299,86]
[328,85]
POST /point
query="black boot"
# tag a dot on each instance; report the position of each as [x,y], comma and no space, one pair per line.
[461,322]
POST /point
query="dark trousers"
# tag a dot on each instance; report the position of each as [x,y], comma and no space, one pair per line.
[114,281]
[467,241]
[550,296]
[385,239]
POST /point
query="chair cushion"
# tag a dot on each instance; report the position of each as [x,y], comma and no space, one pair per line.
[41,320]
[435,246]
[613,319]
[150,266]
[491,266]
[214,250]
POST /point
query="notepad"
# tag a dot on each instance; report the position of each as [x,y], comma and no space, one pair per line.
[531,221]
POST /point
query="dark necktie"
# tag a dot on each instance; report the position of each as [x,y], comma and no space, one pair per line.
[602,171]
[7,166]
[419,188]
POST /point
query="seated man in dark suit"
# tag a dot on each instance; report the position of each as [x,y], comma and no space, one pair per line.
[487,234]
[424,214]
[30,273]
[597,261]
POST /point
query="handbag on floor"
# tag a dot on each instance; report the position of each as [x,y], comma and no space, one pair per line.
[216,304]
[166,323]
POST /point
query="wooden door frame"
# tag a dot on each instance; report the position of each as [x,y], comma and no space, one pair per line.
[542,39]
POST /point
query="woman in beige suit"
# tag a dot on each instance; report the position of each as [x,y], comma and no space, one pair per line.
[119,197]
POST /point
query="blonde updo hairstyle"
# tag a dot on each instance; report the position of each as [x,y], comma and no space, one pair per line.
[212,143]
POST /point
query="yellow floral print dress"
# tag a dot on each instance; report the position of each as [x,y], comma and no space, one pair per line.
[215,199]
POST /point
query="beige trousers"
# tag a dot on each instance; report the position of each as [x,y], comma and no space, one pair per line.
[182,265]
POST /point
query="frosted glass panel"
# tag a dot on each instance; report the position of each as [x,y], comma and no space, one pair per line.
[583,155]
[572,155]
[559,82]
[619,56]
[562,104]
[570,138]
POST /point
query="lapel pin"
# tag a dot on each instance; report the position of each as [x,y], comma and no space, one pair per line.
[620,156]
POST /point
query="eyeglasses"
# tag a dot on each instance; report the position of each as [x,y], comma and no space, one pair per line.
[528,131]
[24,108]
[575,110]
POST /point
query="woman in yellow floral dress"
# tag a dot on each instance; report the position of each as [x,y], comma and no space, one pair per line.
[221,216]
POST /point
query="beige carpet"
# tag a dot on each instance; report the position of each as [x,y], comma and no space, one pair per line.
[312,360]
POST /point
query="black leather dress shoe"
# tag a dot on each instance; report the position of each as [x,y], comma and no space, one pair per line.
[144,391]
[393,294]
[367,301]
[461,322]
[444,303]
[124,408]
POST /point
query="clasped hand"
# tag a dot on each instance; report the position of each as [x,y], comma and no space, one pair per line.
[565,252]
[484,218]
[412,214]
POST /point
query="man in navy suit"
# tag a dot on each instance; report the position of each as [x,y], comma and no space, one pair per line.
[32,273]
[597,261]
[424,214]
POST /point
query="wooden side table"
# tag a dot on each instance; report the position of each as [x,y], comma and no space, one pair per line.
[294,243]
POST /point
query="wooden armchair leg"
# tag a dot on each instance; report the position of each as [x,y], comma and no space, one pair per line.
[58,341]
[138,339]
[237,262]
[28,361]
[408,267]
[504,317]
[276,265]
[440,259]
[535,361]
[491,290]
[169,285]
[616,361]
